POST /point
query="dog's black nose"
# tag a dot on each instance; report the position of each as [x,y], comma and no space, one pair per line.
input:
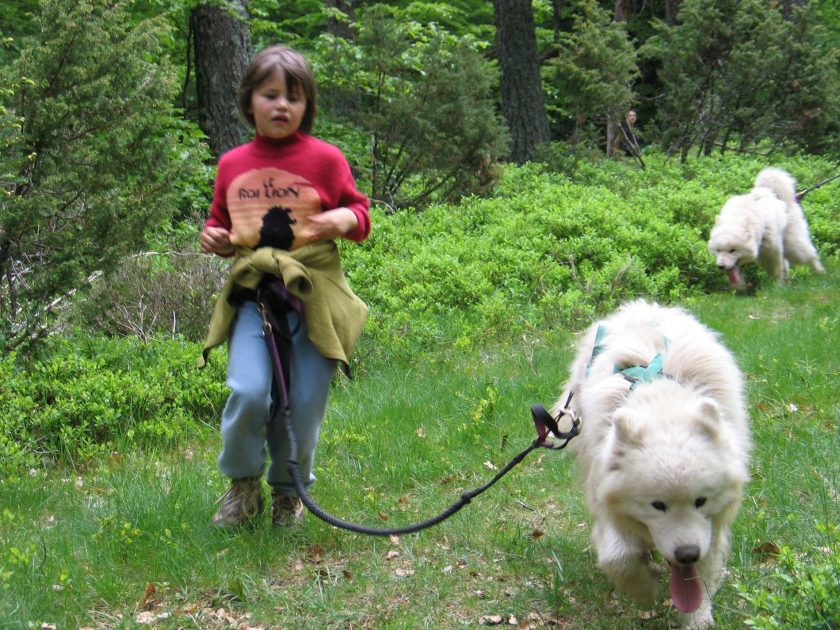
[687,554]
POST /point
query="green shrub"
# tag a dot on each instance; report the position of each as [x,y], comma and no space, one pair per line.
[801,591]
[94,158]
[87,396]
[423,98]
[548,251]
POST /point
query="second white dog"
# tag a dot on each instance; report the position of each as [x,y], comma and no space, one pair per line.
[766,224]
[663,449]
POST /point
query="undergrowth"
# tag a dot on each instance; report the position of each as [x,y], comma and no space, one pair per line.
[549,251]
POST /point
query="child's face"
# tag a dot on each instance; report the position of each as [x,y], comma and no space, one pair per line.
[277,112]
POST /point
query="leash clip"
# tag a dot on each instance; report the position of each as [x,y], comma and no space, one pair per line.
[545,424]
[267,330]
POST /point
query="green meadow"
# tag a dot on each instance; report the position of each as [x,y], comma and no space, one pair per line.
[109,445]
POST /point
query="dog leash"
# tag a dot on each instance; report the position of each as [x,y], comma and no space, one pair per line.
[799,195]
[275,326]
[540,417]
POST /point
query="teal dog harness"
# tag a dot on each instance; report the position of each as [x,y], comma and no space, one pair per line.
[634,374]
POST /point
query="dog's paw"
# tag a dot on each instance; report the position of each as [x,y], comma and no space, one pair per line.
[647,593]
[654,567]
[700,619]
[639,580]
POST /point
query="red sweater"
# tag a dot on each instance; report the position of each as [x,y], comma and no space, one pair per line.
[267,189]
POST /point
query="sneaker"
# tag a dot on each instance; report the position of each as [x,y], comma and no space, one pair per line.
[285,511]
[242,502]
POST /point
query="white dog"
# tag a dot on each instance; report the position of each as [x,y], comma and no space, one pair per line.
[663,449]
[767,225]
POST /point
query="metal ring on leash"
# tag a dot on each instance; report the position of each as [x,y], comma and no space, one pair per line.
[800,195]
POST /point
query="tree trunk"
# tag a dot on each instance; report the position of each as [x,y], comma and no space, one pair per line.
[342,28]
[622,10]
[561,20]
[672,10]
[788,5]
[621,14]
[341,102]
[222,44]
[613,137]
[523,102]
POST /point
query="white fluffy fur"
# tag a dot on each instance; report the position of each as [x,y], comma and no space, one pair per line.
[768,225]
[676,440]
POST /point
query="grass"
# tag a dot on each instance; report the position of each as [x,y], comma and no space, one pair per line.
[127,541]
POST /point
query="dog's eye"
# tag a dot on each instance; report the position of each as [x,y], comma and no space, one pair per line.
[658,505]
[700,502]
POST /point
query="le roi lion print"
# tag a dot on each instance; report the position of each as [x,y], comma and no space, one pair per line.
[271,207]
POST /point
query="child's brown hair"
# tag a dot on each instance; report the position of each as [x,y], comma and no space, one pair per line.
[298,74]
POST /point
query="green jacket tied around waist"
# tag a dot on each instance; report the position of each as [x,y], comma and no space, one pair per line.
[334,315]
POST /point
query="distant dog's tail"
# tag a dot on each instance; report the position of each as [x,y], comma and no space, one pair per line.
[780,182]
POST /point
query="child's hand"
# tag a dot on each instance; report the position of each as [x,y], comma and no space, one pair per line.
[215,240]
[332,223]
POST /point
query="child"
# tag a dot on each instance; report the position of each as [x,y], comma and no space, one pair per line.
[279,203]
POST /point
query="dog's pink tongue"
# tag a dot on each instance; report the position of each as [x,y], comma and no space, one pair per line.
[734,277]
[686,589]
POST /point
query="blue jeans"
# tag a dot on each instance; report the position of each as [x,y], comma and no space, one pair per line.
[248,420]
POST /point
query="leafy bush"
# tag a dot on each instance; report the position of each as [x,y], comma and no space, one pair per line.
[800,591]
[547,251]
[87,396]
[424,103]
[590,77]
[94,155]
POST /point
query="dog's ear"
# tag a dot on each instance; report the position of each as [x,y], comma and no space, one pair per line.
[626,425]
[708,413]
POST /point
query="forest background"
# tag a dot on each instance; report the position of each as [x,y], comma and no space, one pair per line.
[507,206]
